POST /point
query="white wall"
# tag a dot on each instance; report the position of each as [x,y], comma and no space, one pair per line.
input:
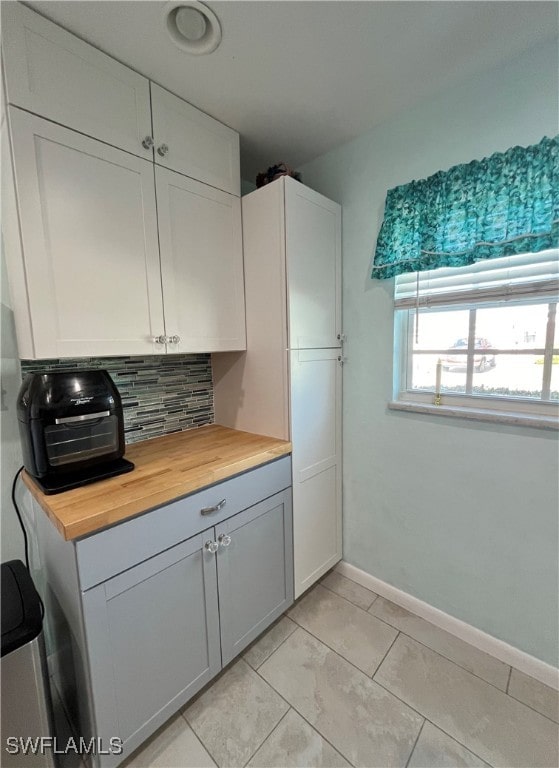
[461,515]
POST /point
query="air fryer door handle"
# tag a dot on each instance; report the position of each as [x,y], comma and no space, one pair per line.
[82,417]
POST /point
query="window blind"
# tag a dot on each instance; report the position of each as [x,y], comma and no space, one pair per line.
[509,277]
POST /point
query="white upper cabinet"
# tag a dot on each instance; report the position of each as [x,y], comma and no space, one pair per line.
[201,265]
[52,73]
[192,143]
[89,271]
[314,267]
[89,241]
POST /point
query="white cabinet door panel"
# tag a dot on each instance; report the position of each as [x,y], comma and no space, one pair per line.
[89,235]
[316,400]
[314,272]
[201,264]
[198,145]
[54,74]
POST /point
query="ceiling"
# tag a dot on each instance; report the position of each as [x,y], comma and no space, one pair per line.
[297,78]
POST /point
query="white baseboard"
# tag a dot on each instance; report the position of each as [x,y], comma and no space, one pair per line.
[506,653]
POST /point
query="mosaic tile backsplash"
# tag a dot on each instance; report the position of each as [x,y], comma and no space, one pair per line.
[160,394]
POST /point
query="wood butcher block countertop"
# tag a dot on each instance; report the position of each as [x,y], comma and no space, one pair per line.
[166,468]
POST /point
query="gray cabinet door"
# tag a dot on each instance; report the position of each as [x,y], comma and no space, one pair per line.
[255,571]
[153,639]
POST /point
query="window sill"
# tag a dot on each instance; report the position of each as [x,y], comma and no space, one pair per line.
[495,417]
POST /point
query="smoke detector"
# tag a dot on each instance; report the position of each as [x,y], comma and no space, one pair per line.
[192,26]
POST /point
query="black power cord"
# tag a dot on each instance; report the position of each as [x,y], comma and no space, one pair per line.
[25,539]
[19,517]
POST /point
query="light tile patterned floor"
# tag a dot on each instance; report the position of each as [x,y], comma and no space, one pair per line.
[347,678]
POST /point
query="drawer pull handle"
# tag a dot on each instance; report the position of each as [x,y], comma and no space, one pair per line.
[215,508]
[211,546]
[224,539]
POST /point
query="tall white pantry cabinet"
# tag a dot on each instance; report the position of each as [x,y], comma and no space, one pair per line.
[289,382]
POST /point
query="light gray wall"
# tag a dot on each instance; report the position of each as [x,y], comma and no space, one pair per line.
[461,515]
[247,187]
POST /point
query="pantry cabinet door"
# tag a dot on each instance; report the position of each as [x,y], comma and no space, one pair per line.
[193,143]
[316,434]
[201,265]
[89,237]
[314,267]
[56,75]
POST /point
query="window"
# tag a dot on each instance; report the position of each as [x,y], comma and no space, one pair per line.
[484,337]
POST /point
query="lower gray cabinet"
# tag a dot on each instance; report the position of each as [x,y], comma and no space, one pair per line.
[159,631]
[255,571]
[153,639]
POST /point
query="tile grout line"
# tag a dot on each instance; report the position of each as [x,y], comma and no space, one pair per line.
[399,631]
[297,625]
[452,661]
[275,649]
[251,669]
[385,655]
[321,583]
[302,716]
[368,611]
[276,726]
[430,721]
[291,706]
[415,743]
[405,703]
[490,655]
[370,676]
[204,747]
[537,711]
[343,597]
[508,680]
[473,674]
[369,608]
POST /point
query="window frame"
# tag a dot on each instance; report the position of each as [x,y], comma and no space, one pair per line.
[512,407]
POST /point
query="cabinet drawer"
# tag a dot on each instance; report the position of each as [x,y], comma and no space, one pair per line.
[114,550]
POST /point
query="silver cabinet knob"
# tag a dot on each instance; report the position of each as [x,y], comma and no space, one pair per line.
[162,150]
[211,546]
[173,339]
[224,539]
[147,143]
[342,359]
[160,339]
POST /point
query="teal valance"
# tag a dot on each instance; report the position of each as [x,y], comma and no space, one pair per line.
[505,204]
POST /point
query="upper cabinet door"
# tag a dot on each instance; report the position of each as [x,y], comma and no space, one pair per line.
[54,74]
[314,267]
[89,237]
[191,142]
[201,265]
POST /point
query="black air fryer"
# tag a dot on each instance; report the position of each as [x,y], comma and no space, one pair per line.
[71,428]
